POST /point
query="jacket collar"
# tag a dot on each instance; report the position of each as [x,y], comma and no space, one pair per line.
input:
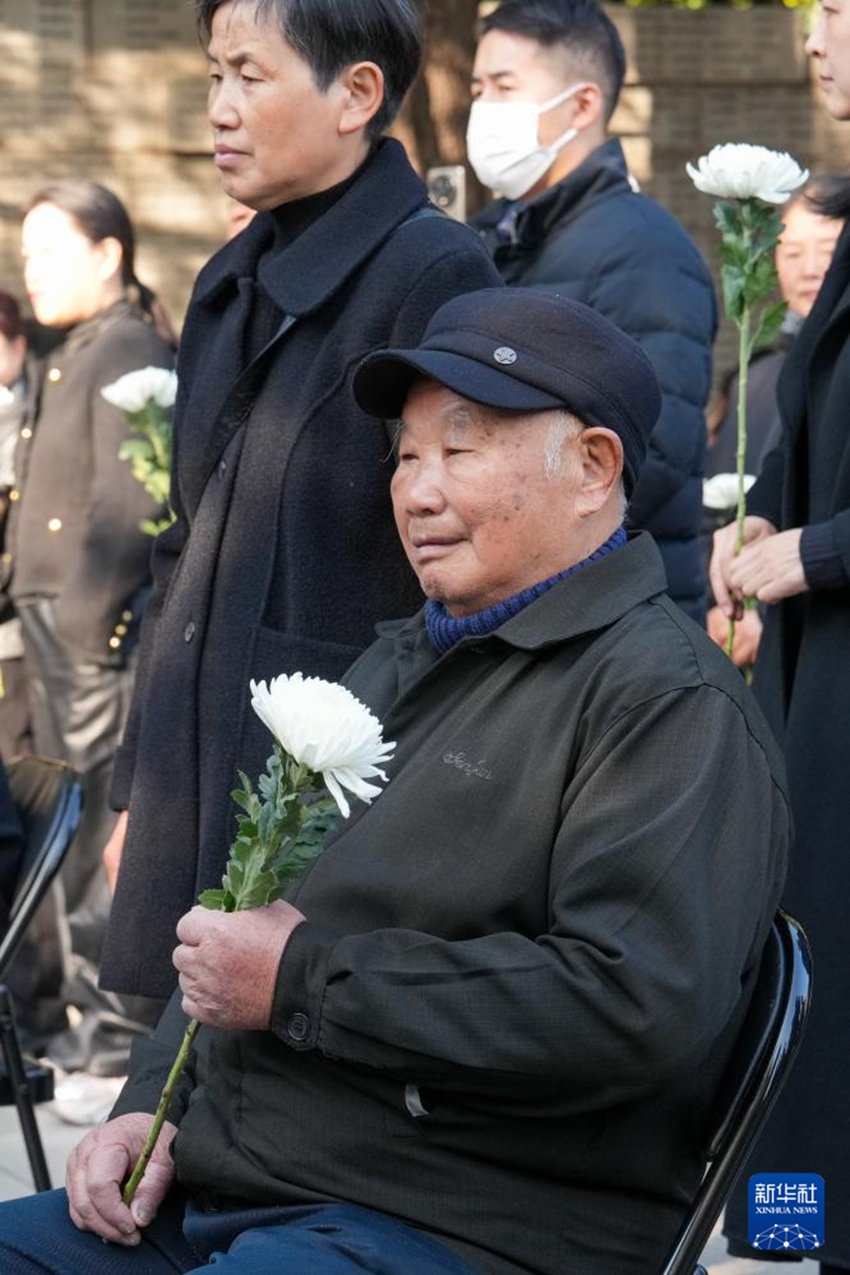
[603,172]
[828,312]
[308,271]
[592,599]
[82,333]
[833,298]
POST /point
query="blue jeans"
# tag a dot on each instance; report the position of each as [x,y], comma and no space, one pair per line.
[37,1237]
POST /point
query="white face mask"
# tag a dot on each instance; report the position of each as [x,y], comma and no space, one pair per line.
[503,146]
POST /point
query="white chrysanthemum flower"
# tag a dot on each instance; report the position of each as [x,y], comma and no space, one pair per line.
[721,490]
[133,391]
[323,726]
[738,170]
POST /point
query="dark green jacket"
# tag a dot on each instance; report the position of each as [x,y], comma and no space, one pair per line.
[522,964]
[74,534]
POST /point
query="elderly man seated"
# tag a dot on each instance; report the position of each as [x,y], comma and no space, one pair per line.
[485,1034]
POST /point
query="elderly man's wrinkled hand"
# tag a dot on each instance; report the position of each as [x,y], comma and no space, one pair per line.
[228,963]
[726,595]
[769,569]
[98,1167]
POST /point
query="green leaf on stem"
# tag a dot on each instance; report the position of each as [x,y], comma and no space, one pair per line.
[769,324]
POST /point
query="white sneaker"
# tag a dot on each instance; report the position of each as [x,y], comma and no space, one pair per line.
[80,1098]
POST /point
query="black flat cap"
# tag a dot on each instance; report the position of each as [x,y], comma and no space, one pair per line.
[520,349]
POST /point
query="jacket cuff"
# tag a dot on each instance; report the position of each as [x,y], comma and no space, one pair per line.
[823,566]
[764,499]
[300,988]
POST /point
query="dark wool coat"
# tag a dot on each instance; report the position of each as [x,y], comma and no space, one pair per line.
[802,681]
[522,966]
[74,534]
[284,554]
[593,238]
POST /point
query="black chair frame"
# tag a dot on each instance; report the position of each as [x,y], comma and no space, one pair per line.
[48,798]
[761,1060]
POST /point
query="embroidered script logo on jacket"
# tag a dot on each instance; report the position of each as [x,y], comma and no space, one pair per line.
[461,762]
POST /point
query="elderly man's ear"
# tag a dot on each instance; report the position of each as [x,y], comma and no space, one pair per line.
[601,453]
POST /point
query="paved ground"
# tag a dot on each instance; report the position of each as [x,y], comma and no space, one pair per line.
[59,1138]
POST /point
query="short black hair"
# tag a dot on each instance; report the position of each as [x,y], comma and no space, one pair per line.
[825,193]
[332,34]
[582,27]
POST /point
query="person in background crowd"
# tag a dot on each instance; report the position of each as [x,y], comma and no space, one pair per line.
[803,255]
[545,83]
[15,731]
[79,561]
[283,555]
[796,559]
[488,1032]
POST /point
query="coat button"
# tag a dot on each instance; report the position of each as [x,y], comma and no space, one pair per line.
[14,494]
[126,616]
[54,375]
[55,524]
[114,643]
[189,631]
[298,1027]
[26,432]
[222,468]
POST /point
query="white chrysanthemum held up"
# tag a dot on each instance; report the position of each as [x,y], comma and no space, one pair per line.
[739,170]
[133,391]
[322,730]
[324,727]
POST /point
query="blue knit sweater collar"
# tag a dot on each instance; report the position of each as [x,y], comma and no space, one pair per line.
[445,630]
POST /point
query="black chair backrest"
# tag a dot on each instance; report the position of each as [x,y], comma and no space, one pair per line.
[48,798]
[761,1059]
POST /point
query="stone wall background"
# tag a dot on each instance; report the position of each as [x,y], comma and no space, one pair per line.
[115,90]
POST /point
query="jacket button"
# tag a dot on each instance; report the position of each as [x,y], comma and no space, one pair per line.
[26,432]
[222,468]
[126,616]
[54,375]
[114,643]
[55,524]
[14,494]
[189,631]
[298,1027]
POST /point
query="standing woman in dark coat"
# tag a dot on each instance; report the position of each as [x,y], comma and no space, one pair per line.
[797,559]
[80,570]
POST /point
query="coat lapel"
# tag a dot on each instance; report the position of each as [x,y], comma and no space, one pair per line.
[829,314]
[299,279]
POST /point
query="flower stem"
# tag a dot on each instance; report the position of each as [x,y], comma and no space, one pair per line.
[741,454]
[161,1111]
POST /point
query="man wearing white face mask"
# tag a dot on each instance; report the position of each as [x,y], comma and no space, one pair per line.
[546,80]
